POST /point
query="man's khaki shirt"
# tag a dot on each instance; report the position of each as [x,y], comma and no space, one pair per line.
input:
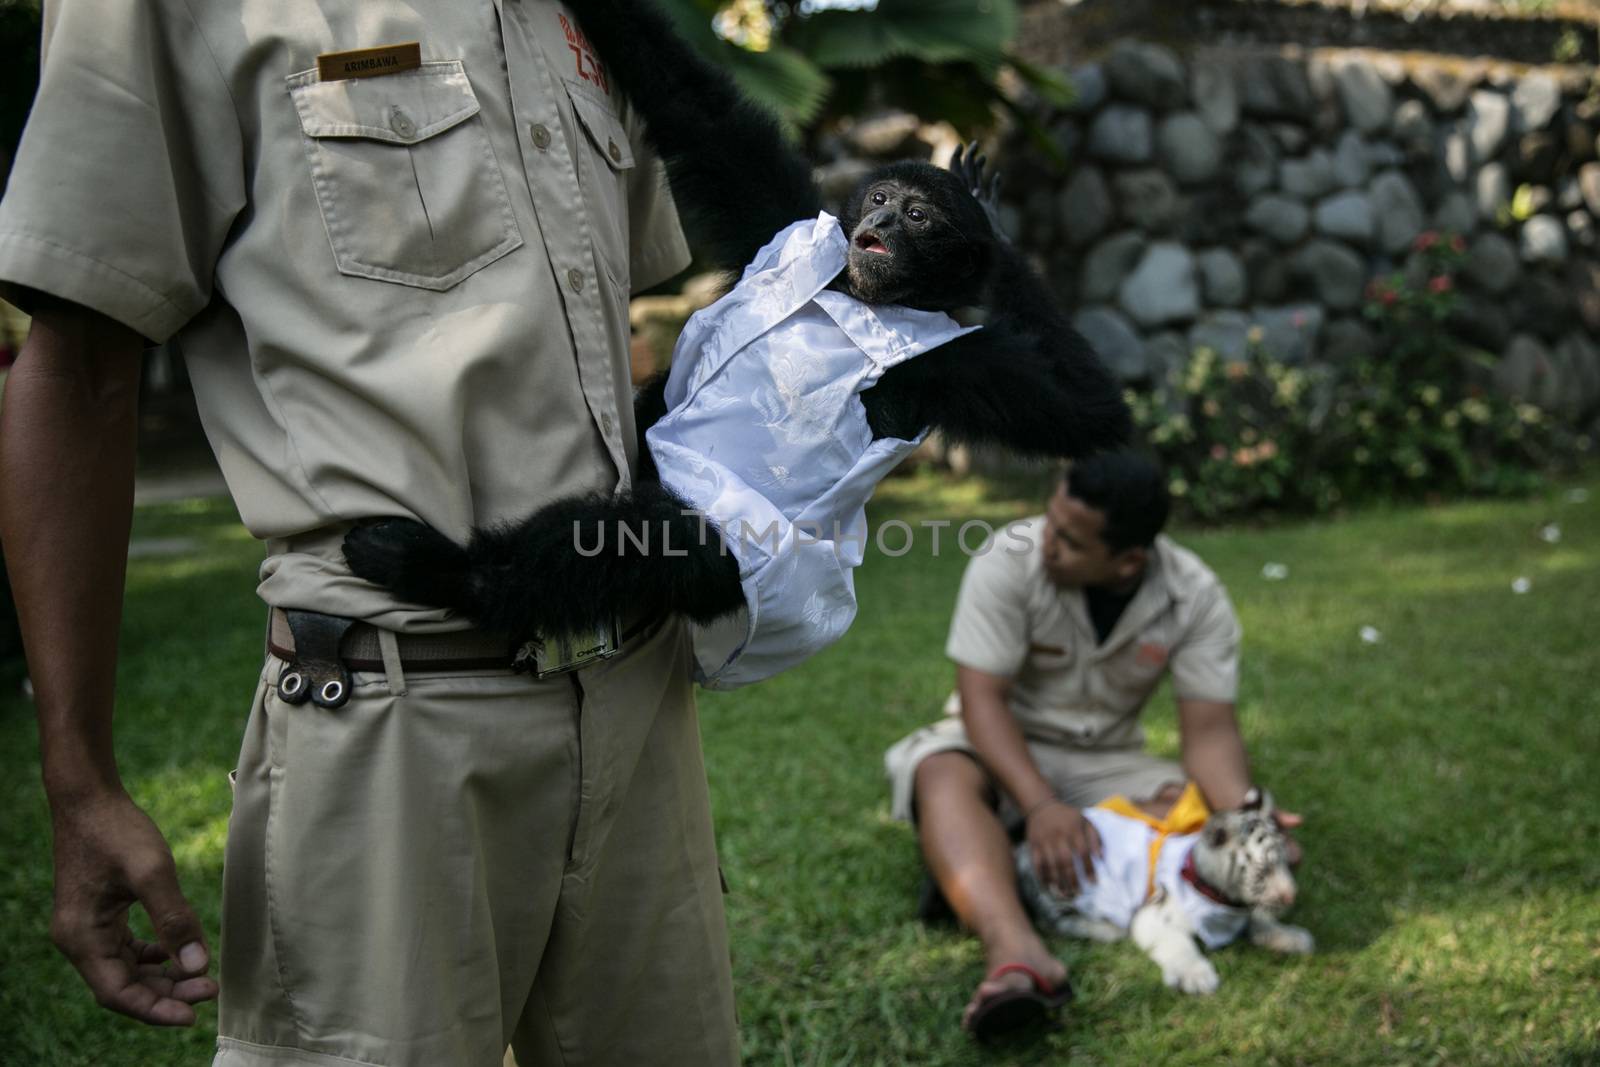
[1068,688]
[402,294]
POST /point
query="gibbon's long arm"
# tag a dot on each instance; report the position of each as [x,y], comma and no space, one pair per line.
[1011,384]
[734,176]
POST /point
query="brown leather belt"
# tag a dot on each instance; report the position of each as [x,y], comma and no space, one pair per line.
[458,650]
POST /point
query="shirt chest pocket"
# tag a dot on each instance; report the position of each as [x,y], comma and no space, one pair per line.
[604,159]
[407,181]
[1134,671]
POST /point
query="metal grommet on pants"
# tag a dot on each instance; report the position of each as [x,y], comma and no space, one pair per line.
[292,687]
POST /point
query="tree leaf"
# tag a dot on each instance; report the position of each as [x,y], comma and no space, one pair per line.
[780,79]
[1052,88]
[933,31]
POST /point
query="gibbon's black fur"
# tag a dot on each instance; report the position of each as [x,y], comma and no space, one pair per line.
[919,236]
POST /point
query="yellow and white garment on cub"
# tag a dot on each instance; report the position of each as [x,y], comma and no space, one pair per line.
[765,433]
[1143,854]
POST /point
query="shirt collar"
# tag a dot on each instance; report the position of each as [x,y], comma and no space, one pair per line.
[1156,594]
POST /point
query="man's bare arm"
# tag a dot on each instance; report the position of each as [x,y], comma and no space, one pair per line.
[67,437]
[1214,756]
[1213,751]
[1057,831]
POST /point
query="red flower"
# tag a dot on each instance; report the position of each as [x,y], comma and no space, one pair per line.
[1388,297]
[1425,241]
[1458,244]
[1440,284]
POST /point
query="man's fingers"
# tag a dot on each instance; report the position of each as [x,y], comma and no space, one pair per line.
[174,920]
[118,989]
[147,952]
[189,990]
[1066,881]
[1085,847]
[194,990]
[1095,844]
[1288,819]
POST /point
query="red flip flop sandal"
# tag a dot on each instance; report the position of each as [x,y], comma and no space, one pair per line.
[1017,1009]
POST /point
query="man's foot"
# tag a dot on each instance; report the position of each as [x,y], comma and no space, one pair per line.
[1022,990]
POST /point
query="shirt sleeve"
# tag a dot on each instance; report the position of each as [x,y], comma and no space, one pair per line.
[989,630]
[130,171]
[657,248]
[1205,664]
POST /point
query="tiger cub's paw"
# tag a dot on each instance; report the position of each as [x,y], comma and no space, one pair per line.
[1196,977]
[1290,940]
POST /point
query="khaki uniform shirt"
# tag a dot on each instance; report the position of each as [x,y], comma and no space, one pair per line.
[403,294]
[1067,688]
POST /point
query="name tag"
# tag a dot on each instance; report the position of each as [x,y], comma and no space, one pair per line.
[368,62]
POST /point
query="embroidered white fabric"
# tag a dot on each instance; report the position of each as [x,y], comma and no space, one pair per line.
[1121,877]
[766,434]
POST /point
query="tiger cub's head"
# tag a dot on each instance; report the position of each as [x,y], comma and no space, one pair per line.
[1244,856]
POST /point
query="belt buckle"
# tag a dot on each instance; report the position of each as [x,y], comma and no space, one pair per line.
[550,656]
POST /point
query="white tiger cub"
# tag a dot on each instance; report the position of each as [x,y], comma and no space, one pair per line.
[1215,884]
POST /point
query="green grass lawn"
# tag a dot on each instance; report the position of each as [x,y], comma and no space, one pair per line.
[1448,776]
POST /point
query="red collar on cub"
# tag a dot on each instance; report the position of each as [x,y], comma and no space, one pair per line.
[1204,888]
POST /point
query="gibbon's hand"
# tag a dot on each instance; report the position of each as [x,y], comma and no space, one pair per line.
[109,854]
[968,165]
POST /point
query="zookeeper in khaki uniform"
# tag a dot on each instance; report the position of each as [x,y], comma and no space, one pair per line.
[395,242]
[1064,627]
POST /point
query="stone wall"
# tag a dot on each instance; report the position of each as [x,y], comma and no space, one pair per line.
[1238,194]
[1055,32]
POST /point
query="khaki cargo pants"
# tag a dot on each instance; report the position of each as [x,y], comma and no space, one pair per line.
[453,862]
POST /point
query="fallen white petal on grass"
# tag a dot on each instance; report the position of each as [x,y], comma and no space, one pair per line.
[1371,635]
[1551,534]
[1521,585]
[1578,496]
[1275,572]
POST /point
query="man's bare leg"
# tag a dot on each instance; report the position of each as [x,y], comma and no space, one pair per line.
[969,855]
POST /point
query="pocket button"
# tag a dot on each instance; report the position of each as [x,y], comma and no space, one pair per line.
[614,152]
[401,123]
[575,279]
[540,136]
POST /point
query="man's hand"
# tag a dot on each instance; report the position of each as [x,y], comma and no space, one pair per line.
[109,854]
[1057,832]
[1288,820]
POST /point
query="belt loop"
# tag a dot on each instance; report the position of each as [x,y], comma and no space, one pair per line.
[393,672]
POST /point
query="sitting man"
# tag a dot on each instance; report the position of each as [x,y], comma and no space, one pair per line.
[1063,629]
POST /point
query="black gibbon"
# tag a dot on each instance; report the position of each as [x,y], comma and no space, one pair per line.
[919,236]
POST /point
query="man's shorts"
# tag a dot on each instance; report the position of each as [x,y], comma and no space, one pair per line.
[452,862]
[1080,776]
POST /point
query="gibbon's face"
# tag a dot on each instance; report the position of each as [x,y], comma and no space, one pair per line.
[916,238]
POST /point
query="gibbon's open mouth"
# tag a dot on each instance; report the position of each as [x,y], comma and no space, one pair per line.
[868,242]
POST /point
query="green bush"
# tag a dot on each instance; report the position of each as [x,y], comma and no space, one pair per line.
[1412,417]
